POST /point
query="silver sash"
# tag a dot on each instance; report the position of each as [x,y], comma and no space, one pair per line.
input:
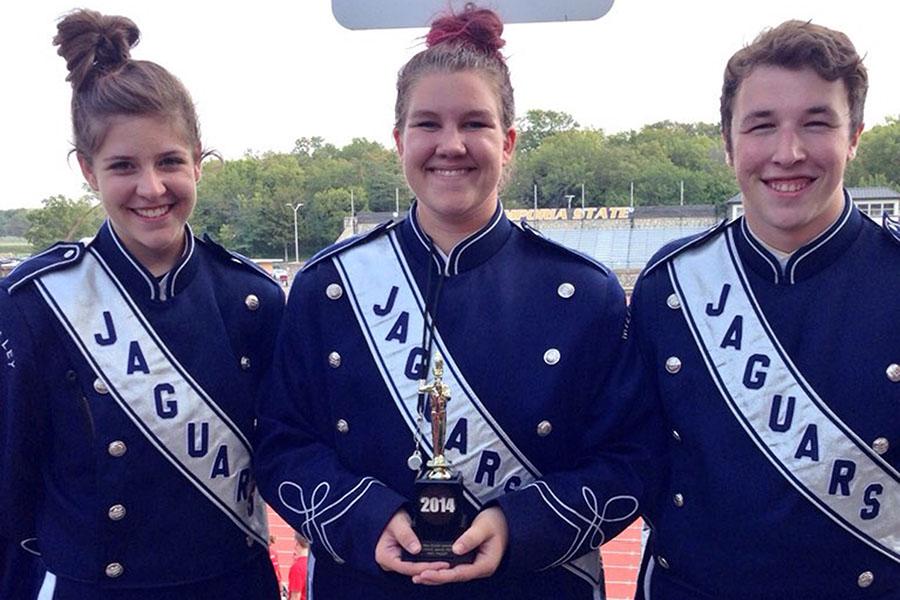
[370,272]
[809,445]
[155,390]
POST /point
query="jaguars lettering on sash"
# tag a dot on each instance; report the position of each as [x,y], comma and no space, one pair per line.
[781,422]
[166,402]
[489,461]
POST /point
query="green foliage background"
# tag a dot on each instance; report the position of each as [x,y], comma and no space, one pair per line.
[243,203]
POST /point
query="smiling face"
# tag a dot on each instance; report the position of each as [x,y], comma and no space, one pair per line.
[453,148]
[146,174]
[791,141]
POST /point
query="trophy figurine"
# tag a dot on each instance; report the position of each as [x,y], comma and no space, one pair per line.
[438,515]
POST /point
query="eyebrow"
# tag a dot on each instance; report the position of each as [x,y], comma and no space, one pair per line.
[477,113]
[482,114]
[822,110]
[423,113]
[116,158]
[167,153]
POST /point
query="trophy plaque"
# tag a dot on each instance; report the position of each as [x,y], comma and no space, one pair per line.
[439,515]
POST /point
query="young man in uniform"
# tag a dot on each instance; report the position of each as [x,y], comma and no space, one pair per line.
[773,342]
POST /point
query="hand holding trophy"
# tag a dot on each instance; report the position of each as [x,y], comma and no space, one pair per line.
[438,515]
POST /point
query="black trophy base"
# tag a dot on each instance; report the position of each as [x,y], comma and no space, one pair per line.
[439,552]
[439,517]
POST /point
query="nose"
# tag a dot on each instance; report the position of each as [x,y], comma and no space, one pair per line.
[150,184]
[789,148]
[451,142]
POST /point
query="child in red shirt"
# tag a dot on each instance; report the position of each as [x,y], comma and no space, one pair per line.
[297,576]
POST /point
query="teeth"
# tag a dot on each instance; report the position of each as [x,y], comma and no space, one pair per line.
[450,172]
[151,213]
[787,186]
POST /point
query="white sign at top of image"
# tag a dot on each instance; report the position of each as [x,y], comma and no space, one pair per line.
[384,14]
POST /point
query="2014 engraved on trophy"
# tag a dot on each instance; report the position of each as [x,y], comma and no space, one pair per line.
[438,513]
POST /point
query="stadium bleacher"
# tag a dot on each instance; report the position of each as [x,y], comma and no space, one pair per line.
[620,249]
[624,244]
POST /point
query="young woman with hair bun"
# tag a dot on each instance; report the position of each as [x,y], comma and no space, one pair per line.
[543,422]
[132,360]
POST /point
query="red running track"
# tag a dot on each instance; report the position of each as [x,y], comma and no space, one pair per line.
[621,557]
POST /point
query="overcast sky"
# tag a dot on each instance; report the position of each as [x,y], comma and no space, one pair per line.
[266,72]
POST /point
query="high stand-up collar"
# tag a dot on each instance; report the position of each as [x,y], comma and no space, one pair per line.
[138,281]
[808,260]
[468,253]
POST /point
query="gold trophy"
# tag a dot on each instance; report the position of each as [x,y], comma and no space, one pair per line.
[439,515]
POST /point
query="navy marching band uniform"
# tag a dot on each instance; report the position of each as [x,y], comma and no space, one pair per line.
[126,407]
[20,572]
[780,387]
[541,419]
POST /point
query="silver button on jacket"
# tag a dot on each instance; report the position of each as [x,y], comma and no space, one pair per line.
[673,364]
[100,386]
[117,448]
[551,356]
[565,290]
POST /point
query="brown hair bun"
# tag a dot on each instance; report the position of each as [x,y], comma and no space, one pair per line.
[92,44]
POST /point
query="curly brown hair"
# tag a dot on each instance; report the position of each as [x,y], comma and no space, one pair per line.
[798,45]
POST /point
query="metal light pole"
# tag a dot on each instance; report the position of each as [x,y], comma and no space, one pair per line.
[352,214]
[295,208]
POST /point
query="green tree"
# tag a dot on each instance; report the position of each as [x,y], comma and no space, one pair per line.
[670,154]
[322,218]
[656,160]
[14,222]
[307,147]
[538,124]
[222,188]
[566,160]
[376,170]
[63,219]
[242,203]
[877,161]
[688,145]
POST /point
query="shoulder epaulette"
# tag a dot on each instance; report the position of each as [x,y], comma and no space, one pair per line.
[235,257]
[348,243]
[58,256]
[891,225]
[675,248]
[535,234]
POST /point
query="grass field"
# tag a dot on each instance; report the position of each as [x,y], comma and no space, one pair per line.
[14,246]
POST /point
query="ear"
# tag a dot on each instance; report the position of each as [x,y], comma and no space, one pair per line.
[398,141]
[854,142]
[198,164]
[728,160]
[509,145]
[88,171]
